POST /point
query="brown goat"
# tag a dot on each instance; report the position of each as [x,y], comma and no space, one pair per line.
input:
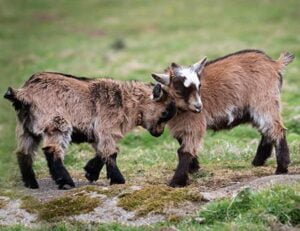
[243,87]
[59,108]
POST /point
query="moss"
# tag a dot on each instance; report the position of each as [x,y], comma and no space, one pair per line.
[70,204]
[155,198]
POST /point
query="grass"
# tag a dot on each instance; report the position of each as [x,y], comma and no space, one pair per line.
[129,40]
[279,205]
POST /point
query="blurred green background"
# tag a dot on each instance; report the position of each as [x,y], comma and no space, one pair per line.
[130,39]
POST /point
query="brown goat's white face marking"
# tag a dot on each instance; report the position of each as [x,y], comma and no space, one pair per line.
[183,83]
[190,77]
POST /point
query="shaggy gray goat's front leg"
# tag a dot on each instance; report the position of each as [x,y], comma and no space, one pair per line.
[113,172]
[104,147]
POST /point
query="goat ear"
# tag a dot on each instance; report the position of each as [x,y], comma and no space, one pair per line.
[161,78]
[199,66]
[157,92]
[174,65]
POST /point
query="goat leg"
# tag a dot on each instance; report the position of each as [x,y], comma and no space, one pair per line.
[93,168]
[113,172]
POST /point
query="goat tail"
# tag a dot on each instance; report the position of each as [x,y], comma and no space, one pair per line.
[13,95]
[285,59]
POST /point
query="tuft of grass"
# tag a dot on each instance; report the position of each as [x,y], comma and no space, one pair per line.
[153,199]
[61,207]
[280,204]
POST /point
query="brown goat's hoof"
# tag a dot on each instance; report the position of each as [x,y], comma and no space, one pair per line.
[178,182]
[119,180]
[91,177]
[32,183]
[281,170]
[257,163]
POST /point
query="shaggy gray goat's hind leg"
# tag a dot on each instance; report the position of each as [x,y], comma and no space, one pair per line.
[57,169]
[263,152]
[27,145]
[282,156]
[56,139]
[113,172]
[93,168]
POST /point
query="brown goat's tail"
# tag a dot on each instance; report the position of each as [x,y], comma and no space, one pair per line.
[284,59]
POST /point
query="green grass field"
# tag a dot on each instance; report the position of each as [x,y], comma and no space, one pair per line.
[130,39]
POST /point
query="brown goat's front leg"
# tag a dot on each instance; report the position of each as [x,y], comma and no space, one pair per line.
[194,165]
[113,172]
[180,178]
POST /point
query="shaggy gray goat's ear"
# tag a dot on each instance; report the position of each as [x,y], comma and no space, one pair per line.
[175,65]
[199,66]
[161,78]
[157,92]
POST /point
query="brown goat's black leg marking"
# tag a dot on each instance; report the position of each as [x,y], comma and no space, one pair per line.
[113,172]
[93,168]
[282,156]
[263,152]
[57,170]
[194,165]
[180,178]
[28,176]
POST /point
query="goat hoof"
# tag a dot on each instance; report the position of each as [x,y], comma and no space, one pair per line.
[257,163]
[91,177]
[119,180]
[194,169]
[179,182]
[65,184]
[281,170]
[33,184]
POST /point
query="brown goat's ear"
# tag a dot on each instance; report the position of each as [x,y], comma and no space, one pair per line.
[157,92]
[199,66]
[161,78]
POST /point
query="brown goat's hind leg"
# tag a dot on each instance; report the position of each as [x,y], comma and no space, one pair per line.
[57,169]
[113,172]
[180,178]
[282,155]
[93,168]
[263,152]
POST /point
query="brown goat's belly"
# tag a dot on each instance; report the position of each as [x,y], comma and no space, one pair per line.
[222,123]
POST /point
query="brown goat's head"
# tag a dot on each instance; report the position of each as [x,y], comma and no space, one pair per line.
[160,109]
[183,84]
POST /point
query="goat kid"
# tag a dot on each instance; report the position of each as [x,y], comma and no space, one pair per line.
[243,87]
[56,109]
